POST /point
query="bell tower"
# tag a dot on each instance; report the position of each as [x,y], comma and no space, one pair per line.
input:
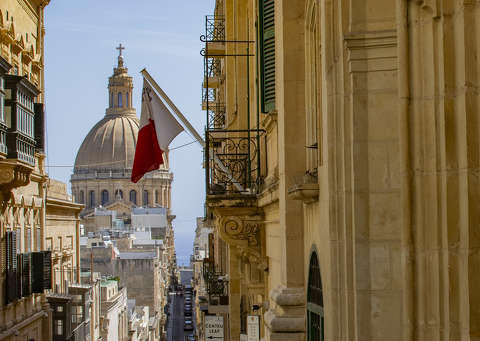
[120,87]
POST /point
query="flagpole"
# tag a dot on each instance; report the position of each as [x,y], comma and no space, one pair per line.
[190,128]
[182,118]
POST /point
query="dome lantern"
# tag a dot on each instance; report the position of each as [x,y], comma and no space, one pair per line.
[120,87]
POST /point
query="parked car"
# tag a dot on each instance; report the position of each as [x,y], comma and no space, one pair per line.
[187,313]
[190,337]
[187,325]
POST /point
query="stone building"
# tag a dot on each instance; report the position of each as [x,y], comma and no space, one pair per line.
[62,235]
[345,206]
[142,270]
[104,161]
[24,311]
[114,313]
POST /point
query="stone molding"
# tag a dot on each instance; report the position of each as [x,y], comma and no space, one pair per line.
[284,323]
[242,232]
[286,313]
[288,296]
[12,175]
[270,121]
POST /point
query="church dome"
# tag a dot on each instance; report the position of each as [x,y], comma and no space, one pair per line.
[109,145]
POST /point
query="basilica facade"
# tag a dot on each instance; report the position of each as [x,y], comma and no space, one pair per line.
[104,161]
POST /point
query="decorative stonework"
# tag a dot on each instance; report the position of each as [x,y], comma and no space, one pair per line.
[12,175]
[238,229]
[243,233]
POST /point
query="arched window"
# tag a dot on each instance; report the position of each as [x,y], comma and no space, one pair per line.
[133,196]
[127,100]
[118,194]
[104,197]
[315,319]
[81,197]
[145,198]
[91,199]
[157,197]
[111,100]
[120,100]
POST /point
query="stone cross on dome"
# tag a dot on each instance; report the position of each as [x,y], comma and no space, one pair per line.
[120,48]
[120,57]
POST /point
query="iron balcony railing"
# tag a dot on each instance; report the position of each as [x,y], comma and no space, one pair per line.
[233,161]
[214,28]
[213,67]
[215,283]
[216,116]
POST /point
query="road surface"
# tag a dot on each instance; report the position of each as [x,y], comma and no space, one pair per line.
[175,330]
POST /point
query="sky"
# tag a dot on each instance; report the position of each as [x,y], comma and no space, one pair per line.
[161,35]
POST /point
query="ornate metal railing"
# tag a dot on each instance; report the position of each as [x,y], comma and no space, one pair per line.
[213,67]
[214,28]
[209,96]
[216,116]
[233,161]
[216,285]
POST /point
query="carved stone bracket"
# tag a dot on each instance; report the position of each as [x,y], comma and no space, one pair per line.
[240,230]
[12,175]
[243,232]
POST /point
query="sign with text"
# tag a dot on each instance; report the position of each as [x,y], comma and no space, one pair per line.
[213,327]
[253,327]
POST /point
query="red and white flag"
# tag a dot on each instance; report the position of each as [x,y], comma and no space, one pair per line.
[158,127]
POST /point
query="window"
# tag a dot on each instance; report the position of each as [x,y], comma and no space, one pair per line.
[2,100]
[127,100]
[157,197]
[39,239]
[58,327]
[315,318]
[110,104]
[133,196]
[81,198]
[28,240]
[91,197]
[312,88]
[77,314]
[267,54]
[145,198]
[120,100]
[104,197]
[59,309]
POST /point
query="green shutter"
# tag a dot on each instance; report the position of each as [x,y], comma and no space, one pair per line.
[267,54]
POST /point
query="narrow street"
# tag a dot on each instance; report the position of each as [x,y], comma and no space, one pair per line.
[175,331]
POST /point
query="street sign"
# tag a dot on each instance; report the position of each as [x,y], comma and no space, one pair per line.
[213,327]
[253,327]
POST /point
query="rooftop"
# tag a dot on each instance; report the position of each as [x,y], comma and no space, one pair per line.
[137,255]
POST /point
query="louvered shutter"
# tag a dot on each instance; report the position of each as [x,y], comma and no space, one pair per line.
[11,264]
[267,54]
[47,270]
[37,272]
[19,275]
[26,275]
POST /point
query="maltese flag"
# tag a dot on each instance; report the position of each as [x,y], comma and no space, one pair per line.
[158,128]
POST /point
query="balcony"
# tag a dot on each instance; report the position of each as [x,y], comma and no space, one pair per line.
[213,72]
[217,288]
[214,37]
[21,131]
[233,160]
